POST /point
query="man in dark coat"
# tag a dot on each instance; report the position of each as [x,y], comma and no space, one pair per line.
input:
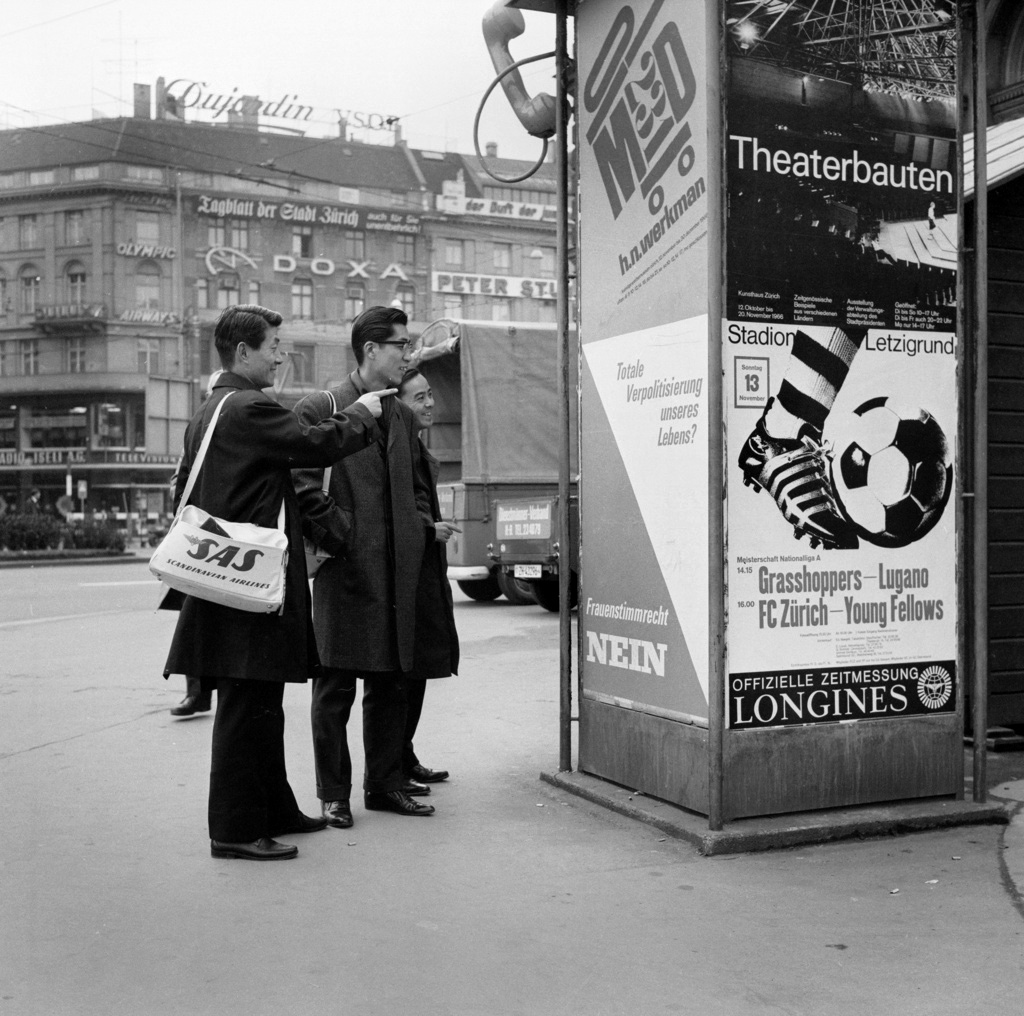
[375,520]
[248,657]
[437,641]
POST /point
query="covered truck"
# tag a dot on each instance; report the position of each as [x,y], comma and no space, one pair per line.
[495,435]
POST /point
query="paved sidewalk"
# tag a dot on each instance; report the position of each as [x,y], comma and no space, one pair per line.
[515,898]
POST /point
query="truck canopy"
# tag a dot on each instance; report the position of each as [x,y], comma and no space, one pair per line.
[496,404]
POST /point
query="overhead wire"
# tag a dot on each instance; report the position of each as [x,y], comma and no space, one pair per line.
[60,17]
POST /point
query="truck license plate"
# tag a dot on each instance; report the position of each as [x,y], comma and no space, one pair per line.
[526,571]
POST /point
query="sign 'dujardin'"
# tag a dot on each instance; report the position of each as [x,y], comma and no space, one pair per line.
[189,94]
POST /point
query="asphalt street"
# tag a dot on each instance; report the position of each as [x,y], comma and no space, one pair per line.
[514,898]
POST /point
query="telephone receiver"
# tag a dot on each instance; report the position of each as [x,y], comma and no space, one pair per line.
[536,112]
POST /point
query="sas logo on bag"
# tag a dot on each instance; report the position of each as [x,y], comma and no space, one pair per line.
[201,552]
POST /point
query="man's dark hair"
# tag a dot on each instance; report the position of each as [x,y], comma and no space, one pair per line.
[245,322]
[375,324]
[410,375]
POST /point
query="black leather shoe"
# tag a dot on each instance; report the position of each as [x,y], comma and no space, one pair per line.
[190,705]
[263,849]
[398,802]
[304,824]
[337,814]
[425,775]
[414,789]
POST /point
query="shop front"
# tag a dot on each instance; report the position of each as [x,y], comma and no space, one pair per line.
[86,482]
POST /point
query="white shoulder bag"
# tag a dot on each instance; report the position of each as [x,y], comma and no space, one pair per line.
[235,564]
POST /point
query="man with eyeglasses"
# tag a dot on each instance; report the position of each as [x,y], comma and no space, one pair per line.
[375,520]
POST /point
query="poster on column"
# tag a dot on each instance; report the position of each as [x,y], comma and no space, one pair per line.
[643,291]
[839,388]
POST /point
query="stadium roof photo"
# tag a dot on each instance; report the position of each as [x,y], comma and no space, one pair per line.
[903,46]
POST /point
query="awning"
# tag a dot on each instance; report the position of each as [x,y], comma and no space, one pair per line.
[1005,155]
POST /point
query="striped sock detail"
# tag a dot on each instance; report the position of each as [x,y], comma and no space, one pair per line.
[816,371]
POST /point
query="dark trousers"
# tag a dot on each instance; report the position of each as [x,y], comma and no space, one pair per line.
[194,687]
[249,792]
[414,707]
[384,708]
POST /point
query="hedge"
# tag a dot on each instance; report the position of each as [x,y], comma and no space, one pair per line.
[46,532]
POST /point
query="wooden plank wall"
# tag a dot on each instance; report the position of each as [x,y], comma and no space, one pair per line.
[1006,455]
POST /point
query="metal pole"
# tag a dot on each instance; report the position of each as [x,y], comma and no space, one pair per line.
[962,489]
[564,393]
[716,452]
[980,335]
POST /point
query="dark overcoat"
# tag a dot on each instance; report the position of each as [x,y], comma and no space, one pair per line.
[437,641]
[376,522]
[246,473]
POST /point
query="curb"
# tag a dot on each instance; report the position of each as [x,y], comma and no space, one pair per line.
[1012,794]
[57,562]
[776,832]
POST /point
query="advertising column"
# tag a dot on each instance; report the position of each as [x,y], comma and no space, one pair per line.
[840,400]
[643,155]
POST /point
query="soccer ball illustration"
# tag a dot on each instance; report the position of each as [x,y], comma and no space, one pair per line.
[891,471]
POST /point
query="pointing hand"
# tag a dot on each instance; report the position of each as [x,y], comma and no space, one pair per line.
[372,399]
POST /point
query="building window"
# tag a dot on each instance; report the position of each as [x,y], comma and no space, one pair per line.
[28,231]
[31,284]
[151,174]
[202,294]
[8,417]
[59,424]
[238,234]
[3,294]
[406,296]
[40,177]
[147,227]
[228,291]
[405,249]
[453,253]
[302,241]
[112,425]
[547,262]
[74,227]
[546,311]
[138,424]
[74,283]
[502,261]
[149,356]
[354,243]
[526,195]
[355,300]
[76,355]
[29,349]
[254,292]
[147,287]
[500,310]
[215,233]
[452,305]
[303,357]
[85,172]
[302,299]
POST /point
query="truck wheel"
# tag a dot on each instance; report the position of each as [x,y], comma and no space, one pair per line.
[518,592]
[546,593]
[481,589]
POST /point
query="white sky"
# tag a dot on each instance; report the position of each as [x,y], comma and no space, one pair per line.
[422,60]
